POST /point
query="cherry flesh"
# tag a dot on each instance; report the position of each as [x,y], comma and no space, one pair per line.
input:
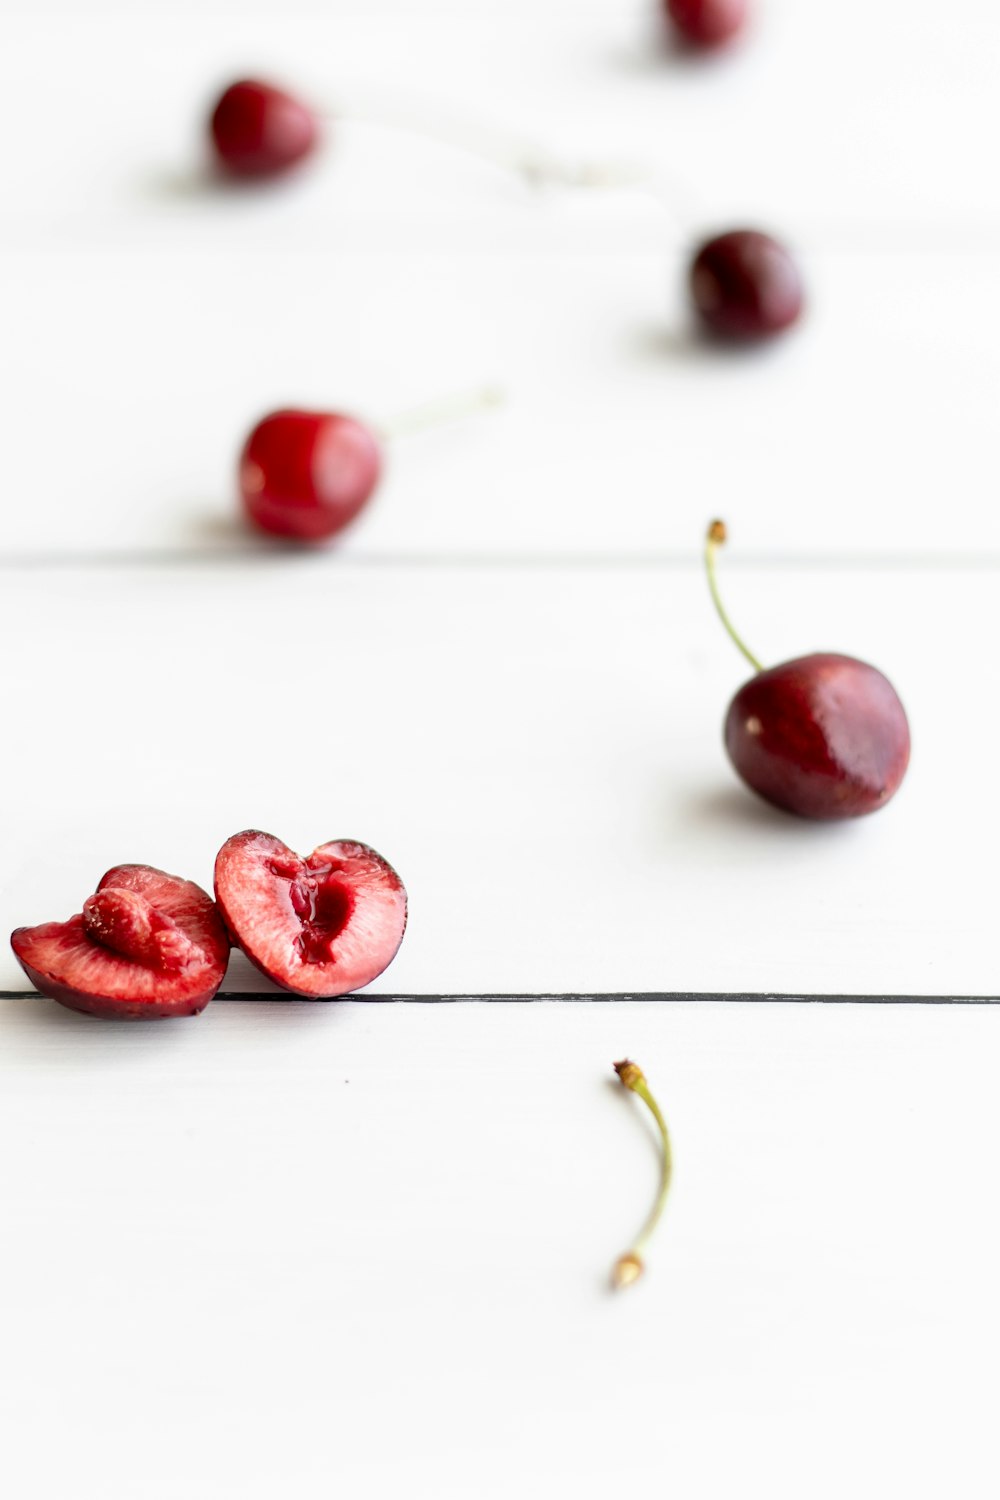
[305,475]
[259,131]
[146,944]
[319,926]
[745,286]
[824,736]
[707,23]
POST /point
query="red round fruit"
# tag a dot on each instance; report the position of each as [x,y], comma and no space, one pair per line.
[745,285]
[707,23]
[146,944]
[319,926]
[824,736]
[260,131]
[306,474]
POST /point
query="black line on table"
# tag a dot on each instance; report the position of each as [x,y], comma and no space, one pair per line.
[666,997]
[178,557]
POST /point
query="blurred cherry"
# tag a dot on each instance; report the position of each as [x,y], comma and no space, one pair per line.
[745,286]
[707,23]
[305,475]
[258,130]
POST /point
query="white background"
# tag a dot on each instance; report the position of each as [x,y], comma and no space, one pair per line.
[297,1250]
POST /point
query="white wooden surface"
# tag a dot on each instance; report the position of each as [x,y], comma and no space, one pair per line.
[360,1249]
[538,752]
[294,1250]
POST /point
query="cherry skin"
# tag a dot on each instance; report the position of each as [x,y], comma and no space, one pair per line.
[707,23]
[260,131]
[745,286]
[306,474]
[824,736]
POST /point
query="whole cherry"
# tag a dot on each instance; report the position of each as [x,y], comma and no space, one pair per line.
[707,23]
[824,736]
[258,130]
[305,475]
[745,286]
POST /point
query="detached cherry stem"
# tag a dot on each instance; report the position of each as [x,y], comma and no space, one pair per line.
[630,1266]
[445,409]
[715,539]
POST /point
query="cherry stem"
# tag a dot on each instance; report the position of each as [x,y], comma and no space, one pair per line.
[716,537]
[629,1267]
[535,165]
[446,409]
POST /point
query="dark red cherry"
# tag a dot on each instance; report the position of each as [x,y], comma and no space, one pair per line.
[260,131]
[745,285]
[306,474]
[707,23]
[823,736]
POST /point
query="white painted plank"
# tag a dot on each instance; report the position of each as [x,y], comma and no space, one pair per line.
[854,118]
[537,751]
[318,1250]
[130,380]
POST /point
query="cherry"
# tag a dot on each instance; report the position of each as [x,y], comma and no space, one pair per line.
[260,131]
[824,736]
[707,23]
[745,285]
[307,474]
[145,944]
[319,926]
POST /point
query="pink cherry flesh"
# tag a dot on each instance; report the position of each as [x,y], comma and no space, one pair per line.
[320,926]
[146,944]
[707,23]
[259,131]
[823,736]
[305,475]
[745,286]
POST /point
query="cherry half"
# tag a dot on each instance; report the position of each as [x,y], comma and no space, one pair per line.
[707,23]
[824,736]
[319,926]
[258,130]
[146,944]
[745,286]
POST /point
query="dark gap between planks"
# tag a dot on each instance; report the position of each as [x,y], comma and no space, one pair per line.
[653,997]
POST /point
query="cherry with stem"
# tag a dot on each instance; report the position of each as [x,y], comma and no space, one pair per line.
[305,475]
[258,131]
[824,736]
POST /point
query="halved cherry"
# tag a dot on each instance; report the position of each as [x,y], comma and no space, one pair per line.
[319,926]
[146,944]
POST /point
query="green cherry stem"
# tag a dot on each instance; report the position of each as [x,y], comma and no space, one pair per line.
[446,409]
[629,1267]
[714,540]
